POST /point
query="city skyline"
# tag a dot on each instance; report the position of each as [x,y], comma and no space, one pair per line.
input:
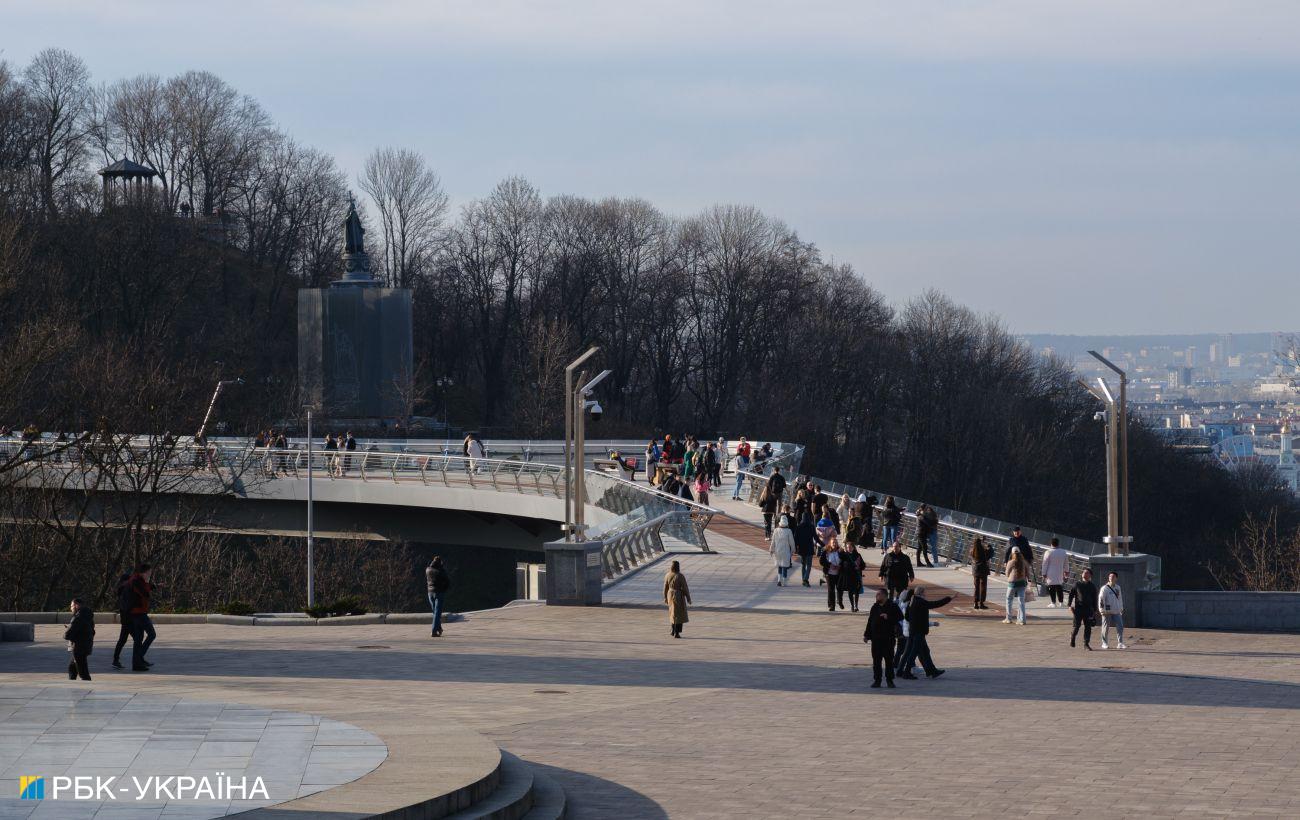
[1105,170]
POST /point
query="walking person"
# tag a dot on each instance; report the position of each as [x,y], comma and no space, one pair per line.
[918,627]
[702,487]
[900,647]
[770,500]
[142,631]
[717,458]
[851,567]
[864,509]
[476,451]
[742,464]
[126,623]
[782,548]
[652,454]
[1083,605]
[931,518]
[806,543]
[1017,584]
[437,582]
[927,524]
[883,622]
[80,636]
[843,512]
[980,556]
[1054,569]
[830,563]
[896,569]
[677,595]
[349,444]
[1111,603]
[890,518]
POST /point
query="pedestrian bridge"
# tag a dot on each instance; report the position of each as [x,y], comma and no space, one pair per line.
[376,493]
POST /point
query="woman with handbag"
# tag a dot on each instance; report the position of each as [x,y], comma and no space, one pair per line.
[830,563]
[677,595]
[1017,584]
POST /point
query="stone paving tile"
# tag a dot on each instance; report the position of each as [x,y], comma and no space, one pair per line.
[739,718]
[134,741]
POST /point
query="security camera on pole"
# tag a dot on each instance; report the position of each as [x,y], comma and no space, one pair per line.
[574,571]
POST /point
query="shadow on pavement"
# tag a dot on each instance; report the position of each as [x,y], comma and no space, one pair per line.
[1050,683]
[597,798]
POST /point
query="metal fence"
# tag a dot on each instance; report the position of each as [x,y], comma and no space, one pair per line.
[957,530]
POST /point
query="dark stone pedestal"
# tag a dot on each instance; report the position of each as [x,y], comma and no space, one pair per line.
[573,573]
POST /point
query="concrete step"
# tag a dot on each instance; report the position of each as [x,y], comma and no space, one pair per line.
[512,798]
[549,800]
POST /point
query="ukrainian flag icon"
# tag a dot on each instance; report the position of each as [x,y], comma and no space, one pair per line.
[31,788]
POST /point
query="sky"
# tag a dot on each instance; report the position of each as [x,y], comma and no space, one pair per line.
[1073,167]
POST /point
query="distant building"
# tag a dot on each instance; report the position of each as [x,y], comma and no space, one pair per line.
[354,340]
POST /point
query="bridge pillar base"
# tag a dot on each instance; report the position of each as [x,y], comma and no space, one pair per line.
[1132,572]
[574,574]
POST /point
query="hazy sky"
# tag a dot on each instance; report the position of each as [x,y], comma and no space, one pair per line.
[1077,167]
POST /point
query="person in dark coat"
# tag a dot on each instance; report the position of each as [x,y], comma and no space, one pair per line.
[770,501]
[437,582]
[80,636]
[918,627]
[980,556]
[882,629]
[890,518]
[851,567]
[806,544]
[897,570]
[864,509]
[1083,604]
[1018,539]
[142,631]
[124,619]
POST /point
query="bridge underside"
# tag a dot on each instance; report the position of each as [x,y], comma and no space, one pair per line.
[332,519]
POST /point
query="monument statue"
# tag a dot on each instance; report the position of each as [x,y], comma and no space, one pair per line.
[353,234]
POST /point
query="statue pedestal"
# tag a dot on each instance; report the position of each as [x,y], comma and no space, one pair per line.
[574,575]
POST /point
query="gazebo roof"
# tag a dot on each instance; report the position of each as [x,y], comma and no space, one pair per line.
[126,168]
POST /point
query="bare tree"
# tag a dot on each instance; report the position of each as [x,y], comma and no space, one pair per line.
[411,205]
[58,91]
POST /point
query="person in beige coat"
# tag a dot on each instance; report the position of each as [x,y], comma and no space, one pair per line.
[677,595]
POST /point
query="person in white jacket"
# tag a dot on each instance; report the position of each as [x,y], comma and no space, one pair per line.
[1111,603]
[782,548]
[1054,566]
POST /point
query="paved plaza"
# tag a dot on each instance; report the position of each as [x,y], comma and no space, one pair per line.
[79,731]
[762,713]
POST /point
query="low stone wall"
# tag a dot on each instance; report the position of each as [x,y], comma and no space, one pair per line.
[1239,611]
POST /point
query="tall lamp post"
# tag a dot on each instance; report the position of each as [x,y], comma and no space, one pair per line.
[576,406]
[311,557]
[1116,419]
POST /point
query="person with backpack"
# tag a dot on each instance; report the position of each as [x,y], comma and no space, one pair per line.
[80,636]
[897,571]
[437,581]
[652,454]
[142,631]
[770,500]
[883,622]
[124,619]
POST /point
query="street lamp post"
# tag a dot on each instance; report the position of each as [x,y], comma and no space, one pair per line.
[1116,418]
[311,557]
[570,398]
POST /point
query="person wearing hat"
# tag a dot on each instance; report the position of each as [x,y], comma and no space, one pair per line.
[1018,540]
[782,548]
